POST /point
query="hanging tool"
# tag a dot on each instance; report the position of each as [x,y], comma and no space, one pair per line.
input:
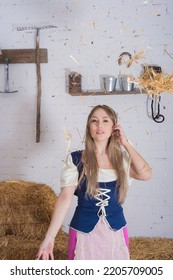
[155,108]
[7,87]
[38,71]
[38,116]
[155,98]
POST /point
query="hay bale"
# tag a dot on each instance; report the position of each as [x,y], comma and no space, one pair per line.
[18,248]
[26,210]
[142,248]
[29,192]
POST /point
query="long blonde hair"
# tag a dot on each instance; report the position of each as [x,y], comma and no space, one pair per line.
[114,153]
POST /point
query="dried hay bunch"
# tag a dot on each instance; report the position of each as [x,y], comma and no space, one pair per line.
[26,208]
[26,230]
[18,248]
[9,191]
[156,82]
[151,248]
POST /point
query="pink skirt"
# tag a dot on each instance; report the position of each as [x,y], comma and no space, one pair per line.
[102,243]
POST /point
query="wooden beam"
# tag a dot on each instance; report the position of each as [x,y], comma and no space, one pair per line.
[99,92]
[23,56]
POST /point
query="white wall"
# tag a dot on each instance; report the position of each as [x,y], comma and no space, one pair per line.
[89,39]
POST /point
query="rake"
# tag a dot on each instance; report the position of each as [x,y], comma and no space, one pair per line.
[37,45]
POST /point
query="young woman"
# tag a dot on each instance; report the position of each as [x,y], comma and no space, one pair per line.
[99,176]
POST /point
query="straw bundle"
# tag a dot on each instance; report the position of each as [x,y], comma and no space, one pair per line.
[142,248]
[26,209]
[18,248]
[156,83]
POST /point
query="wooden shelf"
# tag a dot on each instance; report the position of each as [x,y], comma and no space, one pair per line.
[98,92]
[23,56]
[75,88]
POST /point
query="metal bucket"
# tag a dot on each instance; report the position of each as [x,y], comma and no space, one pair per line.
[125,83]
[109,83]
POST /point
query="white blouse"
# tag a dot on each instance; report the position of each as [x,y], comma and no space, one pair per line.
[69,173]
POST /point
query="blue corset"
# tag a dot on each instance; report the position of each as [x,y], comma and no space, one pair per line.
[104,204]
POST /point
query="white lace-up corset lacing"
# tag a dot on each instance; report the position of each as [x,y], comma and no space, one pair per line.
[103,198]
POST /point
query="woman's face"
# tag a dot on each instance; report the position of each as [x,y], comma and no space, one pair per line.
[100,125]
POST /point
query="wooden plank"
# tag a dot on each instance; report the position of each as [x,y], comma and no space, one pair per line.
[23,55]
[98,92]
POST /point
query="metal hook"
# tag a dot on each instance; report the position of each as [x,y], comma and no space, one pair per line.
[156,116]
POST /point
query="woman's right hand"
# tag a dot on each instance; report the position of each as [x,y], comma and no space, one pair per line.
[45,251]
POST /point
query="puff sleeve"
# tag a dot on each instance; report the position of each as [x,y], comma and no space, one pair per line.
[69,173]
